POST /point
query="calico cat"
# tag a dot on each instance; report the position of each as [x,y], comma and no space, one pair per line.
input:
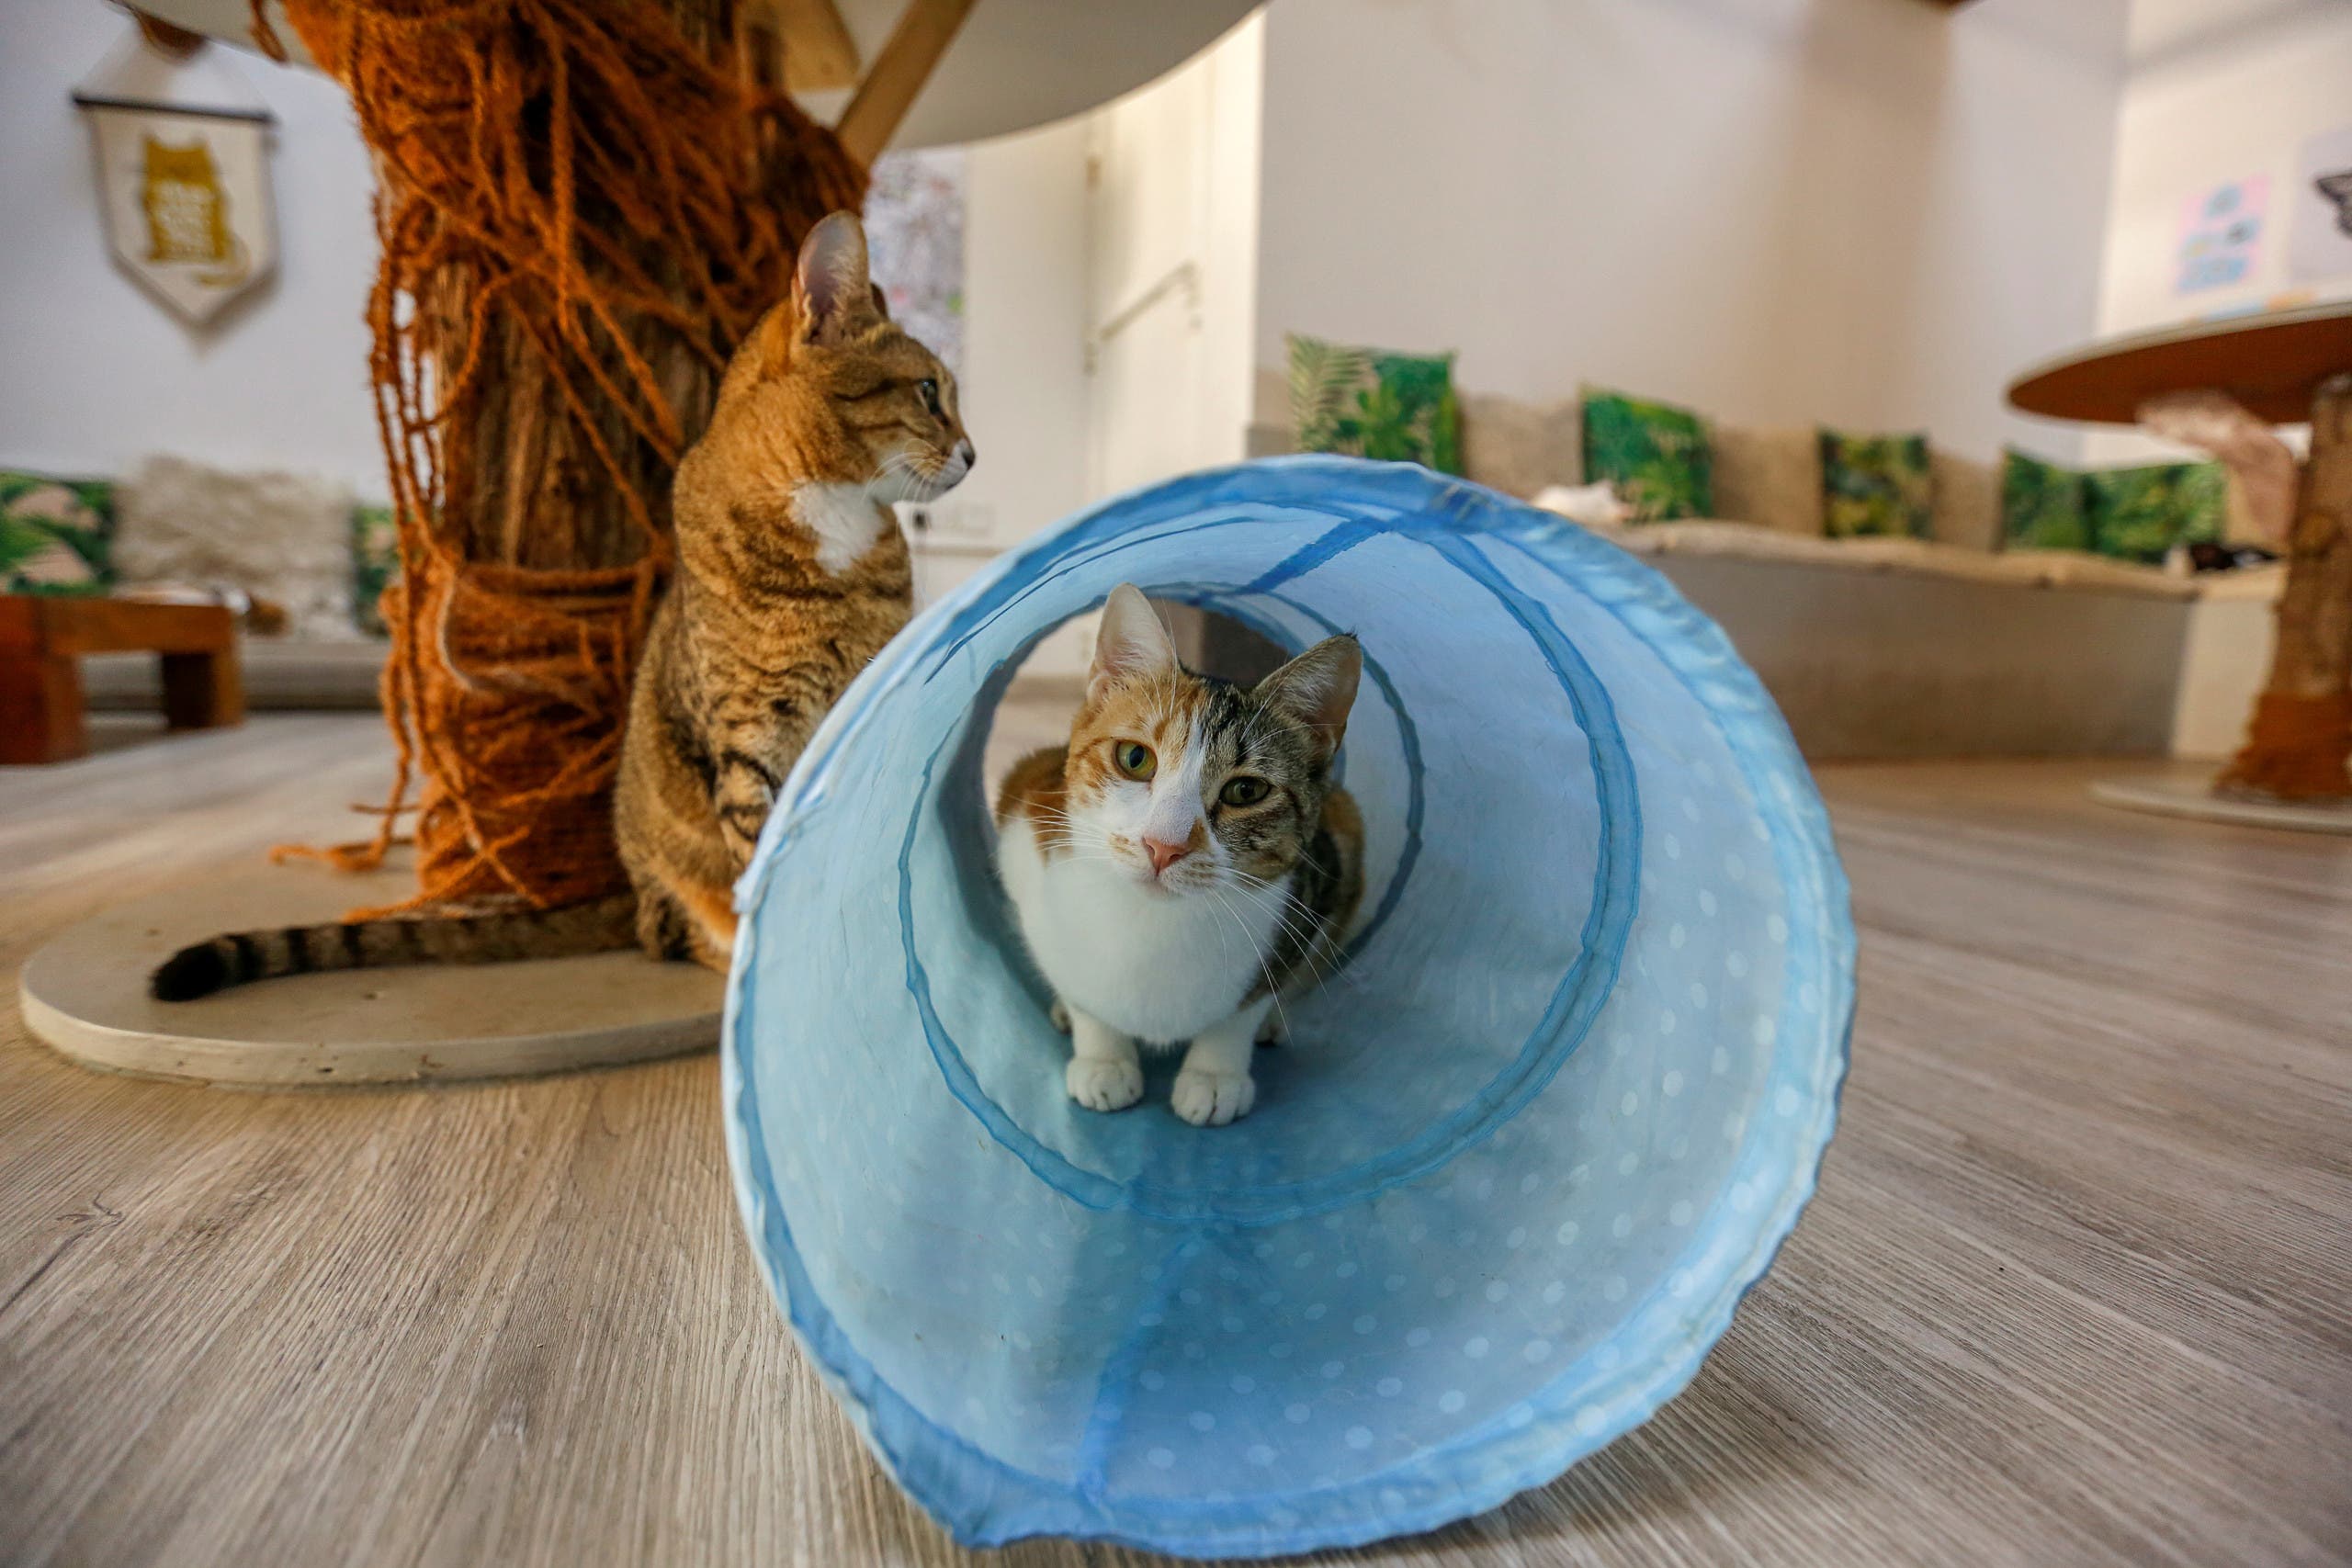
[791,574]
[1183,860]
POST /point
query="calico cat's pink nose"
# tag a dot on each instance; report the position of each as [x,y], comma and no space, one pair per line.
[1163,854]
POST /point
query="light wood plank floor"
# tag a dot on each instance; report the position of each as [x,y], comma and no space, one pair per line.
[2078,1287]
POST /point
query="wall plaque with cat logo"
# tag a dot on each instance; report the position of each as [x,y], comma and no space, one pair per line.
[184,196]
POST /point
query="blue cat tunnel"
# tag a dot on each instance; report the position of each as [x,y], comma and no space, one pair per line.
[1522,1157]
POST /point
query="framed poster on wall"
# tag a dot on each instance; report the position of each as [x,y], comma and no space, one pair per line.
[2220,235]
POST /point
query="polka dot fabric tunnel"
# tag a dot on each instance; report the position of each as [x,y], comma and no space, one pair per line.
[1518,1164]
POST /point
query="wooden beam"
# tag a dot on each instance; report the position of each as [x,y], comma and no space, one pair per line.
[801,45]
[167,39]
[925,29]
[818,53]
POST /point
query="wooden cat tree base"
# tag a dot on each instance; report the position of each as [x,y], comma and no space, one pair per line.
[85,994]
[2167,796]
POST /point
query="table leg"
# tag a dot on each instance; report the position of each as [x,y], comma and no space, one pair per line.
[40,692]
[201,691]
[2301,731]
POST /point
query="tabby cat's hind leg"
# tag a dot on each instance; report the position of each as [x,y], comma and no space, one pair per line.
[668,933]
[662,929]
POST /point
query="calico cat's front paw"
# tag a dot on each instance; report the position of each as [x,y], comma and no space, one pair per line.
[1211,1100]
[1060,1016]
[1103,1085]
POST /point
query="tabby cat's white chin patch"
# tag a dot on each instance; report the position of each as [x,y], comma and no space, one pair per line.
[845,520]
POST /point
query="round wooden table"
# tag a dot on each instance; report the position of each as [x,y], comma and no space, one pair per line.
[2271,364]
[2284,366]
[1012,64]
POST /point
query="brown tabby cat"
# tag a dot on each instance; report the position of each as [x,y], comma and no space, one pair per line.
[791,575]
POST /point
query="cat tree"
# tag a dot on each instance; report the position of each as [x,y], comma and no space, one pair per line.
[584,203]
[2279,367]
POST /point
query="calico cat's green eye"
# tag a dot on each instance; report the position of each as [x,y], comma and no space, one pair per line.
[1244,791]
[930,391]
[1135,759]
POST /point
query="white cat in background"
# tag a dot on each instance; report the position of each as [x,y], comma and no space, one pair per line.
[1594,506]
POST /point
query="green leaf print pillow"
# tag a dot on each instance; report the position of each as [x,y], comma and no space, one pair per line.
[1655,455]
[374,562]
[1876,486]
[2041,505]
[56,536]
[2139,515]
[1367,403]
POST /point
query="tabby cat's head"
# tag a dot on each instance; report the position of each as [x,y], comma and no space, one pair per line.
[828,389]
[1190,784]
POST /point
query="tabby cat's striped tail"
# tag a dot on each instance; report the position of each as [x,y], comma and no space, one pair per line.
[240,956]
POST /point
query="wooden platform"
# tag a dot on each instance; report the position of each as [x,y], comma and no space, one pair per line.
[2077,1289]
[85,994]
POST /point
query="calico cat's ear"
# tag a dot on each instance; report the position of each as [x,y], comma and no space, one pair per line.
[831,294]
[1317,688]
[1132,641]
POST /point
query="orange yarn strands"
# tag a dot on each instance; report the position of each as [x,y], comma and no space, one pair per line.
[580,213]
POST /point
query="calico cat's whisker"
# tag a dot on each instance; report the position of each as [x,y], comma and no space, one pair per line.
[1265,969]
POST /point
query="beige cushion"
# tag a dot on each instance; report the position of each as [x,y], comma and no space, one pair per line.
[1768,477]
[283,538]
[1518,448]
[1968,501]
[2025,568]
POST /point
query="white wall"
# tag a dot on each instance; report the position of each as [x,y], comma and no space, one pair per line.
[1859,212]
[1023,382]
[2219,105]
[1173,235]
[98,373]
[2218,91]
[1023,385]
[2212,109]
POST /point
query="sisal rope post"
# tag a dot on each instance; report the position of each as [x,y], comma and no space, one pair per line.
[583,206]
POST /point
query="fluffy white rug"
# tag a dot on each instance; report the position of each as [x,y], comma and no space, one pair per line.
[284,540]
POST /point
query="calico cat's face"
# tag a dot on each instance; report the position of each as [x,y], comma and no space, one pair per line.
[1191,785]
[830,384]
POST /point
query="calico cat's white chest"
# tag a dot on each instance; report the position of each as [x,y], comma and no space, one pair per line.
[1159,967]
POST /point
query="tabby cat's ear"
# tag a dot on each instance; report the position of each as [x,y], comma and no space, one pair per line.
[832,293]
[1132,641]
[769,348]
[1318,689]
